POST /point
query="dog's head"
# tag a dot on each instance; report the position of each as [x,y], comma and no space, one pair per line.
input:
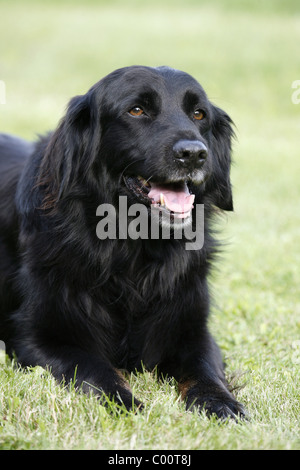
[154,133]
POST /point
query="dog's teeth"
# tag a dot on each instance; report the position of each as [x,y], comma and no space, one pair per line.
[143,181]
[162,200]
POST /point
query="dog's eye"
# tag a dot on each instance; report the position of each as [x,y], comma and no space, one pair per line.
[199,114]
[136,111]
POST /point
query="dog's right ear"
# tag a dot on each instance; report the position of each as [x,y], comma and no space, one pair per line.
[82,134]
[72,148]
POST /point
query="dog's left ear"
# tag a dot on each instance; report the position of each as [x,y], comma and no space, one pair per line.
[219,185]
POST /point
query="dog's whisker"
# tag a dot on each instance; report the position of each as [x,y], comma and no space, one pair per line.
[129,164]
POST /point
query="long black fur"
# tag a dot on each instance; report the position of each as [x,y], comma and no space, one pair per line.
[73,302]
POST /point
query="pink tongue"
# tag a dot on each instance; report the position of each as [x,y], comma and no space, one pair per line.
[176,200]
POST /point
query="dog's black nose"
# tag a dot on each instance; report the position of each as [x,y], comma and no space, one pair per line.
[190,152]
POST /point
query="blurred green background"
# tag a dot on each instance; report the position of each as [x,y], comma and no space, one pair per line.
[246,54]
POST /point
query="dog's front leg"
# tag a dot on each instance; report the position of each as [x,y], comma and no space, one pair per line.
[202,383]
[89,372]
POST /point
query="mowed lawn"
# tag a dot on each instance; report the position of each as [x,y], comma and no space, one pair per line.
[246,56]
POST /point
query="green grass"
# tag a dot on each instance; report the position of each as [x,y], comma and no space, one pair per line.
[246,56]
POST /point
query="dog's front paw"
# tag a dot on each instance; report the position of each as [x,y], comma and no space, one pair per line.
[215,400]
[222,407]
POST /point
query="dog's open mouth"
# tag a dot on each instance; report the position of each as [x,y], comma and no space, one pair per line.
[173,198]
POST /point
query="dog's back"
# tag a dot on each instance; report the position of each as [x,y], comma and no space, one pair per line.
[13,155]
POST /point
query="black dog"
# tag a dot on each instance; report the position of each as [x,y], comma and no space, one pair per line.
[74,302]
